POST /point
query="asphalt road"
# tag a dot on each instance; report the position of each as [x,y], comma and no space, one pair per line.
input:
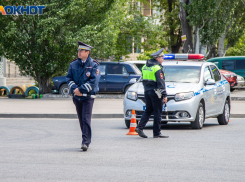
[49,150]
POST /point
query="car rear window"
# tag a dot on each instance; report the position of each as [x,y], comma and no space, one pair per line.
[228,65]
[240,64]
[182,74]
[136,69]
[116,69]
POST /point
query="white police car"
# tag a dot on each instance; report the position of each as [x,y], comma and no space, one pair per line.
[195,89]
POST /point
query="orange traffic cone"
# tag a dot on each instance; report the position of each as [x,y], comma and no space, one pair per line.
[132,124]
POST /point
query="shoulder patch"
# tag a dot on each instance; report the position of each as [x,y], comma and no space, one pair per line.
[96,62]
[161,75]
[73,60]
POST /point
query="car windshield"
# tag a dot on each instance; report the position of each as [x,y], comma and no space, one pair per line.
[182,74]
[136,69]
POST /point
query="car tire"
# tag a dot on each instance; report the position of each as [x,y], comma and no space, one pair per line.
[223,119]
[126,88]
[200,118]
[127,123]
[64,90]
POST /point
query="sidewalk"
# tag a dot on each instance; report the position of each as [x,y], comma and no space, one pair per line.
[57,108]
[103,108]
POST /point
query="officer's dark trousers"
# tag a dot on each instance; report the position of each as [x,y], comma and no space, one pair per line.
[84,113]
[153,106]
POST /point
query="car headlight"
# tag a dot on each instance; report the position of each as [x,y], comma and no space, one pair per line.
[132,95]
[240,78]
[183,96]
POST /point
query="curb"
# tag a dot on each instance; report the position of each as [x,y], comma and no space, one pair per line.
[59,116]
[98,96]
[238,98]
[74,116]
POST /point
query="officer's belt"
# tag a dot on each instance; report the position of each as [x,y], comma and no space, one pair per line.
[91,96]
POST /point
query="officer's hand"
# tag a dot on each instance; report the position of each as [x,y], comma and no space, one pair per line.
[165,100]
[77,92]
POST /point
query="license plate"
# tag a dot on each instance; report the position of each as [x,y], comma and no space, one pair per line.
[163,108]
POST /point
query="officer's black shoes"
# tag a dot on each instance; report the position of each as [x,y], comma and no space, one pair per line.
[84,147]
[160,136]
[140,132]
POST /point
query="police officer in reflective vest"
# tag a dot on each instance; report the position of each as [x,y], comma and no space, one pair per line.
[155,94]
[83,79]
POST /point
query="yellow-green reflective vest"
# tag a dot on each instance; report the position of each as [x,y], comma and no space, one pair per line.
[149,72]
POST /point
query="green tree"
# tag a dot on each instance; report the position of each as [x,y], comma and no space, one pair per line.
[238,49]
[209,19]
[137,27]
[147,54]
[43,45]
[170,22]
[236,27]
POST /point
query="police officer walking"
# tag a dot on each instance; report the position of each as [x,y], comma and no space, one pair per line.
[83,79]
[155,94]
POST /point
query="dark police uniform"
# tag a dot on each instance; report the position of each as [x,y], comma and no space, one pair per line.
[85,77]
[154,86]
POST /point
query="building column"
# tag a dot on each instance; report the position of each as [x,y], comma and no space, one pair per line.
[2,78]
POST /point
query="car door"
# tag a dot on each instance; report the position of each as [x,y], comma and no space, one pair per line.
[117,76]
[102,82]
[219,96]
[208,92]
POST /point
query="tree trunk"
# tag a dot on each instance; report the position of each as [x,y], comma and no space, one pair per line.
[212,52]
[44,85]
[175,48]
[227,46]
[221,46]
[197,42]
[203,49]
[186,28]
[194,39]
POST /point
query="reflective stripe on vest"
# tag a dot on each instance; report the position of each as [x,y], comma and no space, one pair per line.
[149,72]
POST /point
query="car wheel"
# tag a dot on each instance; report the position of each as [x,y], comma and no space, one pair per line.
[223,119]
[64,90]
[126,89]
[200,118]
[127,123]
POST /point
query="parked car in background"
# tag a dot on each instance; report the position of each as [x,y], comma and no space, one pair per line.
[138,63]
[235,64]
[115,77]
[230,77]
[240,81]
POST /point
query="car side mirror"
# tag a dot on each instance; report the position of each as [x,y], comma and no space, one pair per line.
[210,82]
[133,80]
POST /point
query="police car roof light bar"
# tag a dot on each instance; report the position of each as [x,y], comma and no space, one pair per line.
[183,56]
